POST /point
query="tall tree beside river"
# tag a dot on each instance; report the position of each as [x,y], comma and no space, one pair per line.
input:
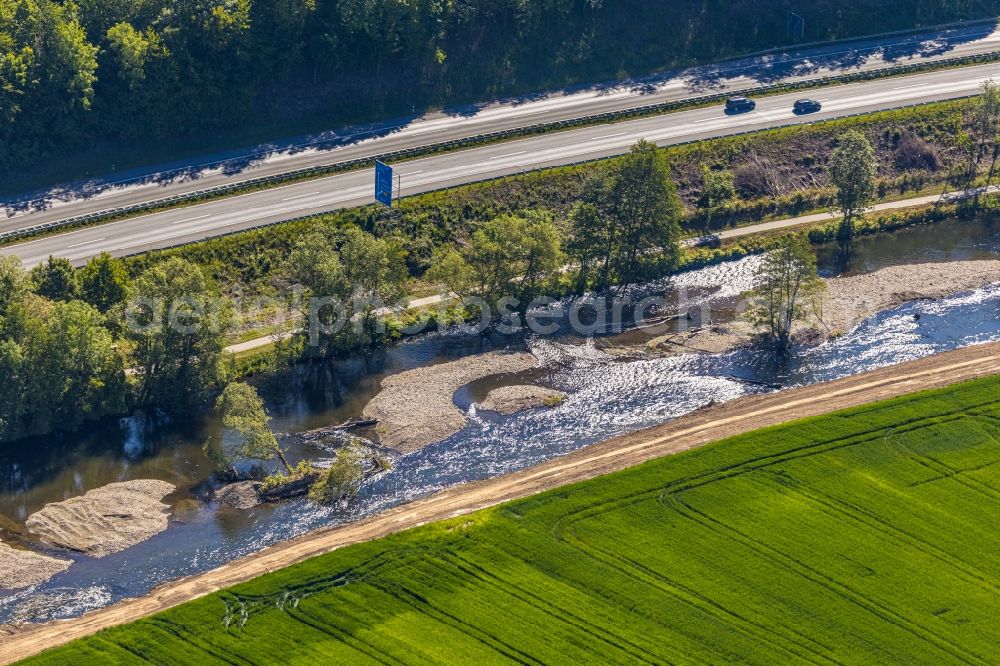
[627,229]
[176,327]
[250,438]
[853,169]
[788,287]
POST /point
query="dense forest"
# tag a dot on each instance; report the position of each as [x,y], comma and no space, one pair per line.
[82,76]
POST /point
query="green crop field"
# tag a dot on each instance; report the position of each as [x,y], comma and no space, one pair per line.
[869,536]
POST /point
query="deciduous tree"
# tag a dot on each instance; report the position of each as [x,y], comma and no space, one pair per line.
[104,282]
[244,415]
[14,286]
[12,369]
[986,132]
[341,479]
[787,280]
[590,243]
[450,270]
[627,228]
[853,169]
[645,209]
[375,270]
[718,188]
[55,279]
[133,49]
[508,256]
[74,371]
[176,325]
[348,276]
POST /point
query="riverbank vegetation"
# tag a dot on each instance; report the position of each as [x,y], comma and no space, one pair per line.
[247,437]
[853,171]
[104,85]
[246,434]
[838,514]
[342,479]
[615,221]
[626,226]
[788,289]
[64,361]
[774,174]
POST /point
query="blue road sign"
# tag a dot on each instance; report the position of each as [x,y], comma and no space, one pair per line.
[383,183]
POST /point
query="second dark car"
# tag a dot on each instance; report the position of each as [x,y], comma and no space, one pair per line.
[807,106]
[740,105]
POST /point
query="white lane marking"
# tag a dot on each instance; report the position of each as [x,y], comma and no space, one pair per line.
[285,211]
[301,196]
[70,247]
[500,157]
[190,219]
[412,173]
[608,136]
[922,85]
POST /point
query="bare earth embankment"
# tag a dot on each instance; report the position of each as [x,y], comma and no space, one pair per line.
[694,430]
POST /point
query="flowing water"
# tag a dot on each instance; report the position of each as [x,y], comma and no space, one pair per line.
[607,396]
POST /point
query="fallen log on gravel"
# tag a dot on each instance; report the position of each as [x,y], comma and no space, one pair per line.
[326,431]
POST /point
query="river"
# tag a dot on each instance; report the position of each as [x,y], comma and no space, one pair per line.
[607,396]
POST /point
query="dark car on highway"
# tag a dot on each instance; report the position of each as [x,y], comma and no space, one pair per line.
[740,105]
[807,106]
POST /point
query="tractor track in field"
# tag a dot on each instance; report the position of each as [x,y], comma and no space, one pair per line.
[696,429]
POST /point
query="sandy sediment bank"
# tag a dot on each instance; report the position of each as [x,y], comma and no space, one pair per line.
[416,408]
[848,301]
[24,568]
[511,399]
[105,520]
[851,300]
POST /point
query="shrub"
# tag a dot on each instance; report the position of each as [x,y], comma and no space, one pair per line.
[342,479]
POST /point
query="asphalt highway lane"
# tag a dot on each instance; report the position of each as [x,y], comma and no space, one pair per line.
[192,223]
[159,181]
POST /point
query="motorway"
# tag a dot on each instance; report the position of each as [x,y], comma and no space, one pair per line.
[156,182]
[197,222]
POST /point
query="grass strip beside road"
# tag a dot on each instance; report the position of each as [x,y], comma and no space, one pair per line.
[837,537]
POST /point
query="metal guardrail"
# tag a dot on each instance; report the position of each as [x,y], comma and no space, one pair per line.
[516,174]
[528,130]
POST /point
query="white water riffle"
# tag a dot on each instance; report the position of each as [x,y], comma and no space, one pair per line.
[607,396]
